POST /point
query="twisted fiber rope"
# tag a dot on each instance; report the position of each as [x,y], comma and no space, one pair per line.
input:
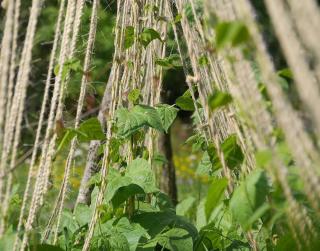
[203,79]
[84,82]
[120,24]
[299,142]
[5,63]
[186,72]
[21,84]
[71,52]
[4,72]
[43,172]
[41,117]
[215,72]
[307,18]
[39,185]
[252,97]
[13,55]
[279,173]
[13,125]
[304,77]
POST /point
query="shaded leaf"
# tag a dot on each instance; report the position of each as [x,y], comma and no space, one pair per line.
[172,61]
[167,114]
[148,35]
[231,33]
[219,99]
[232,152]
[185,103]
[248,197]
[215,194]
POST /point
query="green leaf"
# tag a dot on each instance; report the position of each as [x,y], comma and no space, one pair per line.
[215,194]
[138,179]
[185,206]
[89,130]
[197,141]
[172,61]
[118,242]
[167,115]
[68,221]
[148,35]
[231,33]
[157,222]
[134,96]
[139,170]
[249,197]
[205,165]
[151,116]
[185,103]
[46,247]
[232,152]
[175,239]
[83,214]
[140,115]
[132,231]
[219,99]
[285,73]
[203,60]
[128,37]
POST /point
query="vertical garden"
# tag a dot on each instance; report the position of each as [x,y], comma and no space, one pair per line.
[159,125]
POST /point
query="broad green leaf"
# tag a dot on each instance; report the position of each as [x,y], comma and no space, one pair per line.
[118,242]
[148,35]
[46,247]
[263,158]
[138,179]
[205,165]
[157,222]
[232,152]
[214,158]
[185,205]
[201,219]
[197,141]
[129,122]
[215,194]
[139,170]
[162,202]
[249,197]
[150,114]
[68,221]
[185,103]
[232,33]
[83,214]
[167,114]
[7,241]
[132,231]
[128,37]
[139,116]
[219,99]
[172,61]
[89,130]
[176,239]
[134,96]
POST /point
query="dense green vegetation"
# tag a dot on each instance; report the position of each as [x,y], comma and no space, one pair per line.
[225,191]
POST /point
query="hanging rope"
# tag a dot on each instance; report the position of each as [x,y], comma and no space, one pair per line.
[41,118]
[13,124]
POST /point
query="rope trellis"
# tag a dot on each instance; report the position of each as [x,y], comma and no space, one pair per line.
[250,117]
